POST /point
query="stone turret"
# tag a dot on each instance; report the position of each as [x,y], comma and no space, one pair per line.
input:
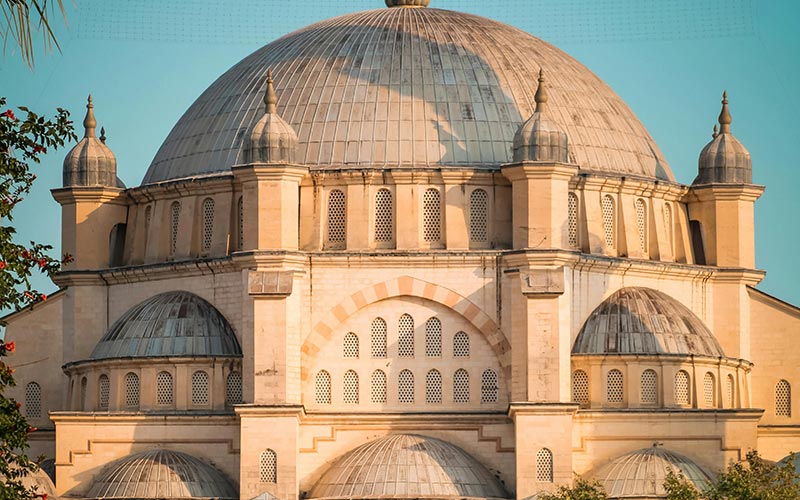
[539,138]
[724,160]
[271,140]
[90,162]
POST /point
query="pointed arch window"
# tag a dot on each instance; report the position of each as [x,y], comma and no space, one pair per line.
[164,387]
[433,338]
[433,387]
[208,224]
[131,391]
[615,387]
[609,222]
[649,389]
[103,392]
[668,225]
[233,388]
[432,215]
[322,388]
[405,387]
[378,338]
[200,388]
[461,386]
[384,217]
[175,216]
[337,220]
[572,219]
[268,466]
[33,400]
[683,393]
[350,345]
[783,399]
[378,387]
[709,390]
[405,337]
[350,391]
[580,388]
[544,466]
[641,223]
[489,387]
[479,216]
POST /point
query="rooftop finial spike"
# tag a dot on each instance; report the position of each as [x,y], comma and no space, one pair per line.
[270,99]
[725,116]
[715,133]
[541,94]
[103,135]
[89,123]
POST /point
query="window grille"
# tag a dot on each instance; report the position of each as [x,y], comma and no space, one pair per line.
[709,391]
[322,388]
[240,223]
[84,383]
[405,337]
[384,216]
[668,223]
[649,394]
[431,215]
[730,391]
[461,345]
[378,386]
[350,392]
[405,387]
[233,388]
[433,338]
[268,470]
[131,391]
[337,219]
[479,216]
[783,399]
[164,388]
[148,216]
[461,386]
[615,390]
[572,219]
[682,393]
[208,224]
[200,388]
[433,387]
[175,210]
[580,388]
[489,386]
[641,223]
[33,400]
[609,221]
[103,392]
[350,346]
[378,338]
[544,466]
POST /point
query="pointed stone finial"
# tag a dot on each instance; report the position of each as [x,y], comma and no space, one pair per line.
[89,123]
[725,116]
[541,94]
[715,133]
[270,99]
[103,135]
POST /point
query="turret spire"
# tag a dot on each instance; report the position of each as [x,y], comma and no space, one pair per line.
[89,123]
[715,133]
[270,99]
[725,116]
[103,135]
[541,94]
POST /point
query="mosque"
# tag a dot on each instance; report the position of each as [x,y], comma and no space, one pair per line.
[405,253]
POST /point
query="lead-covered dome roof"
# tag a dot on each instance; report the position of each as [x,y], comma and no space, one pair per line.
[169,324]
[408,87]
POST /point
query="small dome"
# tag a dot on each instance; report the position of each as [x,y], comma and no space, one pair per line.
[407,466]
[90,162]
[641,474]
[724,159]
[637,320]
[271,139]
[540,138]
[169,324]
[161,474]
[38,482]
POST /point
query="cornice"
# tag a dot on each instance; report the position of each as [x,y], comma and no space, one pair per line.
[193,186]
[163,417]
[724,192]
[631,185]
[530,170]
[79,194]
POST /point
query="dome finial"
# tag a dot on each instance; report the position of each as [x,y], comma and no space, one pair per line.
[725,115]
[715,133]
[270,99]
[103,135]
[89,123]
[541,94]
[407,3]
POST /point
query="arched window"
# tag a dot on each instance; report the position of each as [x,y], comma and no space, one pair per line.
[233,388]
[544,466]
[337,220]
[649,394]
[384,217]
[378,338]
[350,390]
[461,345]
[609,221]
[116,245]
[431,216]
[103,392]
[709,390]
[683,394]
[84,384]
[164,389]
[131,391]
[433,387]
[200,388]
[489,386]
[783,399]
[350,345]
[433,338]
[580,388]
[461,386]
[240,223]
[615,387]
[208,224]
[148,216]
[479,216]
[378,387]
[668,224]
[641,223]
[572,219]
[268,467]
[730,388]
[405,387]
[175,216]
[405,337]
[33,400]
[322,388]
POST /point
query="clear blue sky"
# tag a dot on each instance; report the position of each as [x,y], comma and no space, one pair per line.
[145,62]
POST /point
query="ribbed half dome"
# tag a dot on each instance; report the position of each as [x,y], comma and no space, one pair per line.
[637,320]
[161,474]
[641,474]
[38,482]
[407,466]
[410,87]
[169,324]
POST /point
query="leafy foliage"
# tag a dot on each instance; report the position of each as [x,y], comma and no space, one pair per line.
[19,18]
[580,490]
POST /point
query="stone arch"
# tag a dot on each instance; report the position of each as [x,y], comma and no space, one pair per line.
[410,287]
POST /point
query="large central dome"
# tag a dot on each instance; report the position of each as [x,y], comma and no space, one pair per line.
[408,87]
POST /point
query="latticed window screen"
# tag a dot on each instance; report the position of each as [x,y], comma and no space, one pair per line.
[461,345]
[544,466]
[378,338]
[200,388]
[103,392]
[337,219]
[433,387]
[432,215]
[240,223]
[33,400]
[783,399]
[709,391]
[322,388]
[350,387]
[132,391]
[208,224]
[405,387]
[233,388]
[175,215]
[615,388]
[682,392]
[730,388]
[641,223]
[479,216]
[668,223]
[489,386]
[572,219]
[148,216]
[649,394]
[461,386]
[405,337]
[164,388]
[609,222]
[268,467]
[84,384]
[384,216]
[580,387]
[433,338]
[350,345]
[378,387]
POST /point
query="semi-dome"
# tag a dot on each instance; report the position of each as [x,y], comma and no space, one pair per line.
[641,474]
[161,474]
[407,466]
[38,481]
[169,324]
[407,87]
[638,320]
